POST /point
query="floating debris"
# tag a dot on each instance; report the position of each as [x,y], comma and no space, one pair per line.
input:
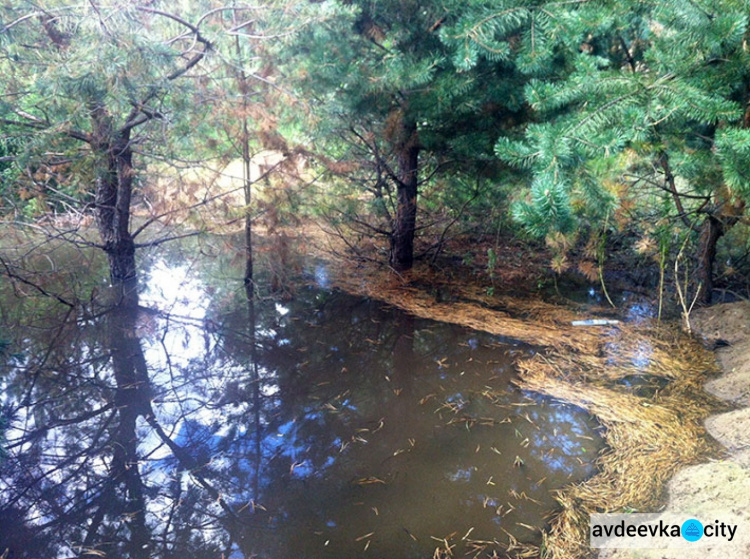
[647,444]
[594,322]
[412,536]
[532,528]
[369,481]
[368,535]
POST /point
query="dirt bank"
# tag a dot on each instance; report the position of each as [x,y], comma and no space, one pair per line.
[720,486]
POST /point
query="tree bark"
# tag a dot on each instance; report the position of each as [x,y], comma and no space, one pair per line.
[243,86]
[114,190]
[248,187]
[711,231]
[716,224]
[404,226]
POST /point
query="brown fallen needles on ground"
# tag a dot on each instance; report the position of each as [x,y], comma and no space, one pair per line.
[648,436]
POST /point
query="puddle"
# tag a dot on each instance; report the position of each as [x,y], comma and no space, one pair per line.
[326,426]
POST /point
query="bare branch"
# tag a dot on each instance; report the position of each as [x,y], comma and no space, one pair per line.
[441,241]
[669,178]
[39,124]
[167,239]
[14,276]
[19,20]
[140,115]
[203,202]
[171,16]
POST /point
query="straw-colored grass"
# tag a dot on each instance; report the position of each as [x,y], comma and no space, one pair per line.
[648,437]
[487,315]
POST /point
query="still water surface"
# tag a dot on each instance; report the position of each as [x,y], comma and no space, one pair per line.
[328,426]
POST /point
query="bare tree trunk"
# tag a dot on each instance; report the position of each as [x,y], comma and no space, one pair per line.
[404,227]
[114,190]
[722,216]
[725,216]
[243,86]
[711,231]
[246,160]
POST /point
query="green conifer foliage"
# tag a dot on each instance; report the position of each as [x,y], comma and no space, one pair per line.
[393,94]
[93,88]
[669,80]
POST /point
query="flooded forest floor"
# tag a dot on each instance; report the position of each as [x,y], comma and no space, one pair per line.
[666,412]
[674,427]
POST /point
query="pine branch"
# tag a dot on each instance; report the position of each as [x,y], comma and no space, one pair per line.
[19,20]
[663,161]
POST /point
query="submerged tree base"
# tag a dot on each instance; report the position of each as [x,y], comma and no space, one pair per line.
[642,382]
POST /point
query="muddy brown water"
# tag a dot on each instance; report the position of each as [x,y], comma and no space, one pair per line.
[327,426]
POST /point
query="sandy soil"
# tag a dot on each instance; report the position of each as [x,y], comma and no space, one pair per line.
[719,487]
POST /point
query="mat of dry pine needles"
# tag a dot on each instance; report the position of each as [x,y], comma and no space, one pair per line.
[648,437]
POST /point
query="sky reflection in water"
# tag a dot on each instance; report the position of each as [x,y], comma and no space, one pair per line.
[327,426]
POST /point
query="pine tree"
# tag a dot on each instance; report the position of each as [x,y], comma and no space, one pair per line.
[391,92]
[669,81]
[97,78]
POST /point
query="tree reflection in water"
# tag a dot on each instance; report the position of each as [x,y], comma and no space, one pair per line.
[239,428]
